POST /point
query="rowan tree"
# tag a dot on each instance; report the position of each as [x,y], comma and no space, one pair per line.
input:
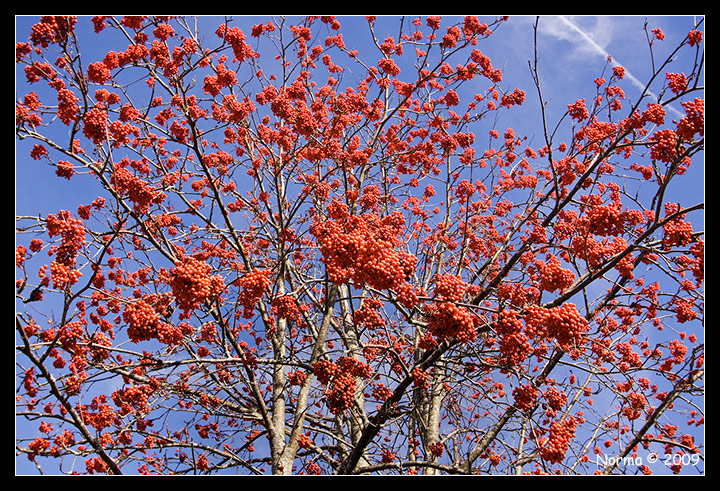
[284,254]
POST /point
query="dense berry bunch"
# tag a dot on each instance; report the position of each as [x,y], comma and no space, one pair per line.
[138,191]
[447,320]
[133,398]
[362,249]
[449,287]
[677,82]
[368,314]
[677,232]
[513,342]
[406,295]
[95,125]
[555,399]
[142,321]
[63,275]
[52,29]
[684,311]
[421,378]
[578,111]
[340,377]
[554,277]
[559,436]
[665,148]
[605,220]
[694,121]
[564,324]
[72,233]
[525,397]
[252,287]
[655,113]
[286,307]
[192,283]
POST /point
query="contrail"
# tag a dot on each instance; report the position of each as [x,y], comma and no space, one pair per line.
[600,50]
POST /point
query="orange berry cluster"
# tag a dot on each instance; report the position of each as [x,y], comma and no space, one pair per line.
[72,233]
[142,321]
[605,220]
[560,433]
[665,147]
[446,320]
[340,377]
[63,275]
[554,277]
[368,314]
[133,398]
[361,250]
[421,378]
[513,343]
[525,397]
[564,324]
[286,307]
[677,232]
[694,121]
[95,125]
[449,287]
[252,286]
[138,191]
[192,283]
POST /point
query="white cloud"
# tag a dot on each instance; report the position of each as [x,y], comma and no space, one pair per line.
[592,36]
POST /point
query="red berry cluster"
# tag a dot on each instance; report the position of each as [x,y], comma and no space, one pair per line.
[304,441]
[286,307]
[564,324]
[636,403]
[252,287]
[52,29]
[684,311]
[362,249]
[578,111]
[446,321]
[138,191]
[677,82]
[380,392]
[554,277]
[72,233]
[192,283]
[525,397]
[63,275]
[694,121]
[421,378]
[560,433]
[95,125]
[449,287]
[665,148]
[340,377]
[513,342]
[655,113]
[133,398]
[677,232]
[95,464]
[556,400]
[368,314]
[596,252]
[142,321]
[406,295]
[605,220]
[436,449]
